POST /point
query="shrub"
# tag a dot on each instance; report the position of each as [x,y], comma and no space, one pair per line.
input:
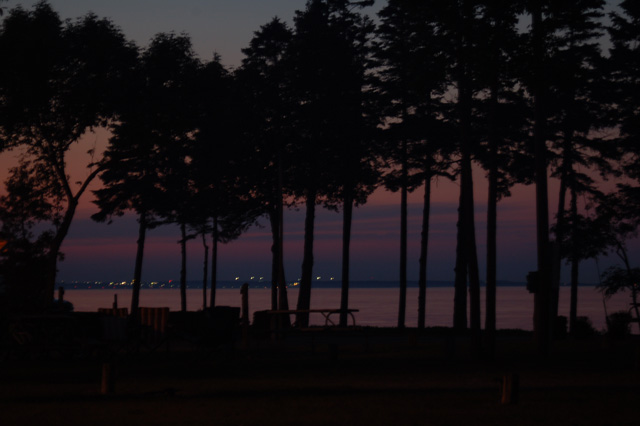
[619,324]
[583,328]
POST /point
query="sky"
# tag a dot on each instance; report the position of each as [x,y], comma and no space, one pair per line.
[100,252]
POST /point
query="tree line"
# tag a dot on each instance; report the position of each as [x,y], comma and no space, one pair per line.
[321,113]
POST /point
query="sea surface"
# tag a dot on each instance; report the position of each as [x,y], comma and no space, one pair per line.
[377,306]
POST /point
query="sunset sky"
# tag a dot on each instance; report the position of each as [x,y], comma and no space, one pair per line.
[106,252]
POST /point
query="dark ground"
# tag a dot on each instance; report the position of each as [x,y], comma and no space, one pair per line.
[364,377]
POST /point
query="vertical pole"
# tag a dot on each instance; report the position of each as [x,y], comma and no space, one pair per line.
[60,296]
[108,379]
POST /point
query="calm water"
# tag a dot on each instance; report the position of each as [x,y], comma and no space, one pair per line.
[378,307]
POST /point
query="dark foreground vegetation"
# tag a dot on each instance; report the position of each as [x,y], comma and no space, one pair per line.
[357,376]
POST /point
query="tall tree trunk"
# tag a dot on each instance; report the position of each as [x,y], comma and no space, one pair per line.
[279,298]
[492,221]
[575,262]
[560,227]
[492,226]
[275,260]
[403,239]
[346,240]
[542,297]
[183,268]
[304,295]
[214,262]
[56,245]
[474,274]
[49,286]
[424,246]
[137,273]
[566,169]
[462,262]
[205,268]
[283,299]
[466,256]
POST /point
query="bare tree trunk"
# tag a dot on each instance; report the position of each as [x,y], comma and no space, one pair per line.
[137,273]
[346,240]
[560,225]
[304,295]
[492,225]
[283,299]
[492,222]
[403,239]
[466,266]
[56,244]
[49,288]
[542,297]
[275,260]
[279,298]
[567,167]
[183,268]
[460,284]
[424,245]
[205,268]
[474,274]
[214,262]
[573,305]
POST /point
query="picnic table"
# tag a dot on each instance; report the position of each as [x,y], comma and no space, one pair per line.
[326,313]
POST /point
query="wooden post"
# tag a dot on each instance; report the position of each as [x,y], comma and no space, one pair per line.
[60,296]
[510,388]
[115,302]
[108,379]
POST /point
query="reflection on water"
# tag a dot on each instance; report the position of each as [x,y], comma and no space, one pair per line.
[378,307]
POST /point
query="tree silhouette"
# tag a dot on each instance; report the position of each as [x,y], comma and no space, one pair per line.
[263,81]
[460,20]
[171,69]
[616,222]
[319,81]
[502,125]
[536,82]
[151,136]
[353,123]
[224,201]
[413,78]
[624,66]
[619,211]
[575,109]
[69,83]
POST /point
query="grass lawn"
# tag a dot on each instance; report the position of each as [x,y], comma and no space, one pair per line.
[383,378]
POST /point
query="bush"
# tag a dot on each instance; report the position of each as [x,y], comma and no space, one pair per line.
[583,328]
[619,324]
[560,330]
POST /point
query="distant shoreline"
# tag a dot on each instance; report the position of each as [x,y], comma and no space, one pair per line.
[104,285]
